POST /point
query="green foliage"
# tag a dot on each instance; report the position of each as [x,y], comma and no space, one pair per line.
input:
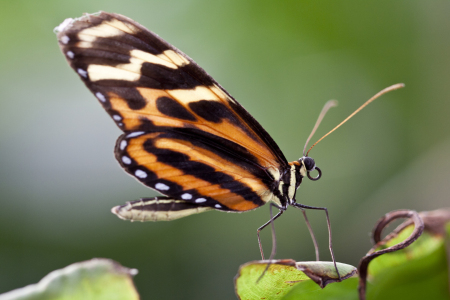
[94,279]
[283,276]
[419,271]
[309,290]
[277,282]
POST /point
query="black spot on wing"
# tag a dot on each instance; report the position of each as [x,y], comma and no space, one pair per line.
[88,56]
[172,108]
[168,78]
[183,77]
[147,125]
[197,72]
[131,95]
[216,112]
[211,111]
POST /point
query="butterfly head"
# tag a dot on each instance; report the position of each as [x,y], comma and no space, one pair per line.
[308,165]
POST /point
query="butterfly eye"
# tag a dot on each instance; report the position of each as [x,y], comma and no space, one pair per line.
[309,163]
[317,177]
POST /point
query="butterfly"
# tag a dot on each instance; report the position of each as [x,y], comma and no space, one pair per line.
[183,134]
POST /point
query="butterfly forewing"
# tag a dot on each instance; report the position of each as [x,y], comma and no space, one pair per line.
[185,136]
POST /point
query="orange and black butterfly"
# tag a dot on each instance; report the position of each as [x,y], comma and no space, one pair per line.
[184,135]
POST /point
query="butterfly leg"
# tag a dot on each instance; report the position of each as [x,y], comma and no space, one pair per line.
[316,246]
[274,240]
[330,242]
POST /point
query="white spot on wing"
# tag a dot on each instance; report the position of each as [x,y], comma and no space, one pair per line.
[135,134]
[200,200]
[85,41]
[186,196]
[199,93]
[70,54]
[117,117]
[162,186]
[140,174]
[100,72]
[103,30]
[63,26]
[65,39]
[100,97]
[154,59]
[126,160]
[218,206]
[82,72]
[120,25]
[123,144]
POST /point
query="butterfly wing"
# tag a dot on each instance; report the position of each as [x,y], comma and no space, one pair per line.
[156,93]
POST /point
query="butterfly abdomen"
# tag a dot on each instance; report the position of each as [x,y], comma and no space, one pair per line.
[157,209]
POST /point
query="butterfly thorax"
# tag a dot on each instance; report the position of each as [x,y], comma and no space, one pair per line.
[291,178]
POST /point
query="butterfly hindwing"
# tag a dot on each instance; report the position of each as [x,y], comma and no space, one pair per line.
[199,170]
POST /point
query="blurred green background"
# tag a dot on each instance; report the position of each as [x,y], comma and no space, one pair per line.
[282,60]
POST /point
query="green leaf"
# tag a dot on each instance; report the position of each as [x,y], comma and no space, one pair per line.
[307,290]
[94,279]
[420,271]
[285,275]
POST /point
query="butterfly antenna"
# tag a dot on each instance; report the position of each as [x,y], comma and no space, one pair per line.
[326,107]
[380,93]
